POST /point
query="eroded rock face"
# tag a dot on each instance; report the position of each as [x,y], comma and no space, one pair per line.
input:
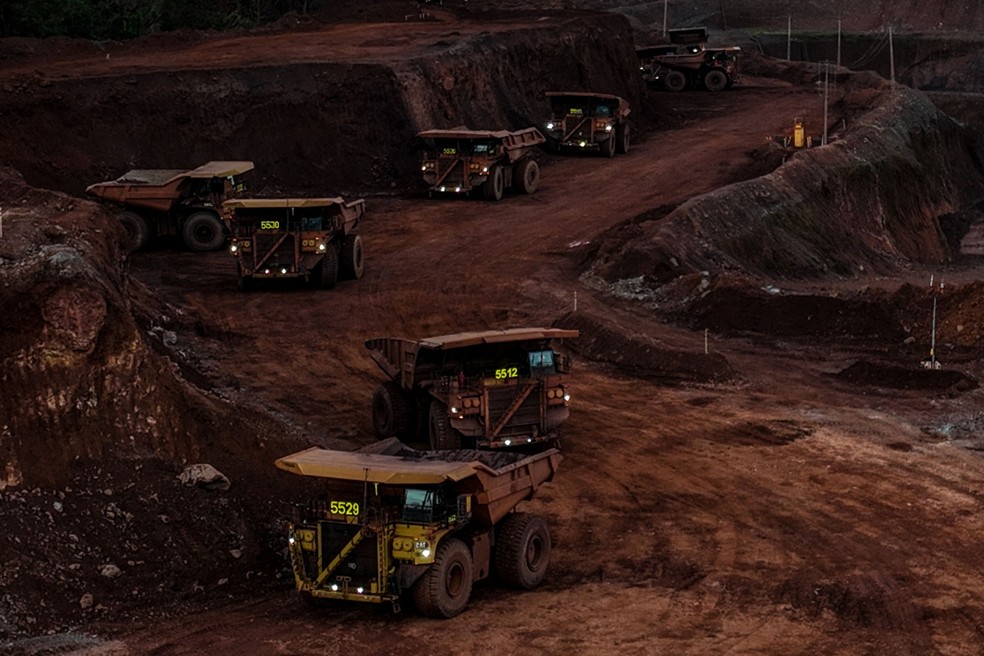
[79,378]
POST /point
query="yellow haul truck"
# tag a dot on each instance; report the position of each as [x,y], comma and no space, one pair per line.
[390,521]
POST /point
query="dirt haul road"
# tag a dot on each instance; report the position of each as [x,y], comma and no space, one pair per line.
[783,511]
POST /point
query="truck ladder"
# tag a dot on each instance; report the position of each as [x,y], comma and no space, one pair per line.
[513,407]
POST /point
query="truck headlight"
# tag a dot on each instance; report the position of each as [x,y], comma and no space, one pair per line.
[234,248]
[322,247]
[334,587]
[550,126]
[567,397]
[608,128]
[290,540]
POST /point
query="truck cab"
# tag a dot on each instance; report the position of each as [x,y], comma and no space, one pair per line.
[313,239]
[595,122]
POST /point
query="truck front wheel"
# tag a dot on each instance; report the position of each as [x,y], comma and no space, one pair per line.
[716,80]
[495,184]
[391,411]
[622,136]
[137,230]
[326,273]
[203,231]
[442,436]
[522,550]
[353,257]
[609,145]
[444,589]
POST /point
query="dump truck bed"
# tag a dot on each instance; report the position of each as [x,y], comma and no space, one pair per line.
[499,481]
[516,144]
[157,189]
[388,352]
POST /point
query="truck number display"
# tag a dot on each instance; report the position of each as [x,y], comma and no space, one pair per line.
[449,151]
[343,508]
[506,372]
[269,225]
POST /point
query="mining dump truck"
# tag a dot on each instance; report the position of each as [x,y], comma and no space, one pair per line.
[460,161]
[588,121]
[390,520]
[690,63]
[166,202]
[494,389]
[309,238]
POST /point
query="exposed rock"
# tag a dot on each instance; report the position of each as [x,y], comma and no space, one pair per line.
[204,476]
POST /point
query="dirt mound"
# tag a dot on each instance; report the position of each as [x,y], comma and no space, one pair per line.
[733,305]
[873,374]
[642,356]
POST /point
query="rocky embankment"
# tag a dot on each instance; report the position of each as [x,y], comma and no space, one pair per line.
[901,184]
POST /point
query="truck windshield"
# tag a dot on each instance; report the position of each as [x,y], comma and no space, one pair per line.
[418,505]
[542,362]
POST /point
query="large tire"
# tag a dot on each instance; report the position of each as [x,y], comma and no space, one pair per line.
[326,273]
[526,176]
[522,550]
[715,80]
[353,263]
[136,228]
[675,81]
[445,588]
[622,142]
[442,436]
[608,146]
[203,231]
[391,411]
[495,184]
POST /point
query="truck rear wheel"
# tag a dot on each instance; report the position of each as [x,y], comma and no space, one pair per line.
[442,436]
[137,230]
[715,80]
[353,258]
[203,231]
[326,273]
[391,411]
[522,551]
[495,185]
[445,588]
[675,81]
[526,177]
[622,138]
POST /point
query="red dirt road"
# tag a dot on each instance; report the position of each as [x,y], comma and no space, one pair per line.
[784,512]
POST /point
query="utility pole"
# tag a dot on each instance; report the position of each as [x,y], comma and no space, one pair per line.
[724,19]
[826,98]
[891,57]
[789,36]
[838,43]
[664,16]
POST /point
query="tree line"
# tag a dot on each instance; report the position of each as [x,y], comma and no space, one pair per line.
[125,19]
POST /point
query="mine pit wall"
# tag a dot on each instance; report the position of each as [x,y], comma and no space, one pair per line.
[311,128]
[874,199]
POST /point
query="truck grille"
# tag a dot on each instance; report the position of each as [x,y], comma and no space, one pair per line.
[360,567]
[282,256]
[526,418]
